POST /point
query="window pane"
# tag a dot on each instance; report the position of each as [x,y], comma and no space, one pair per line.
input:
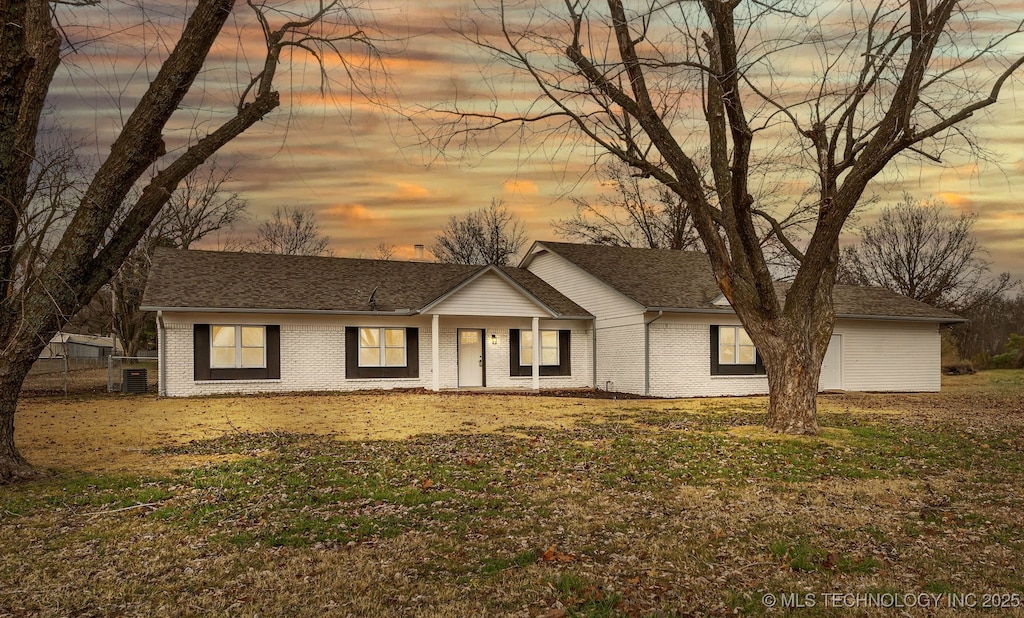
[224,336]
[369,337]
[726,335]
[252,336]
[469,336]
[549,356]
[394,337]
[745,338]
[525,338]
[223,357]
[252,357]
[369,357]
[549,338]
[394,357]
[747,355]
[525,355]
[726,355]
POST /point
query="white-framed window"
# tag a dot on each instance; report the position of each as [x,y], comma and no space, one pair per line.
[548,348]
[382,347]
[241,347]
[735,346]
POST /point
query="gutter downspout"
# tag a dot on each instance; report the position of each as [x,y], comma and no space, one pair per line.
[161,354]
[647,351]
[593,351]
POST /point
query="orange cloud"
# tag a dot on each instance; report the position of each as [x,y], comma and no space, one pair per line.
[409,190]
[519,187]
[349,213]
[957,201]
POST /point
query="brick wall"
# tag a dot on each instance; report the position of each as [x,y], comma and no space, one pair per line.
[313,355]
[681,362]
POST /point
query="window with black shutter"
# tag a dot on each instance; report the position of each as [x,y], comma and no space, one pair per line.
[555,357]
[236,352]
[733,353]
[382,352]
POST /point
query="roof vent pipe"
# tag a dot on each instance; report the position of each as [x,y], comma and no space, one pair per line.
[418,252]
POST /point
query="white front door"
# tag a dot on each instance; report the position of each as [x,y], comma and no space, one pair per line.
[832,366]
[471,357]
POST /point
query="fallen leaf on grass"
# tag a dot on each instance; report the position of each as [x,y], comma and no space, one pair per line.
[553,555]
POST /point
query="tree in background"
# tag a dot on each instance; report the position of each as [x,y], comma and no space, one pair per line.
[990,327]
[93,241]
[57,179]
[638,213]
[491,235]
[199,207]
[666,86]
[384,251]
[291,230]
[916,249]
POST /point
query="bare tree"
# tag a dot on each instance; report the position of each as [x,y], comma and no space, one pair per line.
[640,213]
[917,250]
[92,247]
[492,235]
[990,326]
[291,230]
[662,86]
[384,251]
[199,207]
[56,181]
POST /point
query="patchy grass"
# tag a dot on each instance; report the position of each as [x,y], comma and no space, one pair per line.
[412,504]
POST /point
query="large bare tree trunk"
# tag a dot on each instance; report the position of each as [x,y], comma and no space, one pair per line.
[793,367]
[14,367]
[792,347]
[94,245]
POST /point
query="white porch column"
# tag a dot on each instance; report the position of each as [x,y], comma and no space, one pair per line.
[536,354]
[435,352]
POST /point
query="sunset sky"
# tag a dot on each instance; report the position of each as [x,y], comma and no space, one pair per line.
[365,164]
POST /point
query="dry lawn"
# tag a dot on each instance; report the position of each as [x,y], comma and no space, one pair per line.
[456,505]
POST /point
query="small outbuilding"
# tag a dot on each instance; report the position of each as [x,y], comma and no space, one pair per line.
[75,346]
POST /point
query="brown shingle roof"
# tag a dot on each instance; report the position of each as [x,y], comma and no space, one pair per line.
[220,280]
[668,279]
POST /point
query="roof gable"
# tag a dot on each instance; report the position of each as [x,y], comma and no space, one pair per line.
[665,279]
[489,291]
[215,280]
[660,278]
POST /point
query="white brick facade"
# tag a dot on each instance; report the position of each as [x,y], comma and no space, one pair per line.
[681,360]
[874,355]
[313,353]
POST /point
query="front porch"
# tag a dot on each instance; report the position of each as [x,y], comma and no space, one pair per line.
[495,354]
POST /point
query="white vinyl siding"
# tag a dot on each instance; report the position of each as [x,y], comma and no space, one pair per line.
[598,298]
[490,295]
[878,355]
[619,321]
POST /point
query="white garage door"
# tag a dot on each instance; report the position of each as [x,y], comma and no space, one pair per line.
[832,367]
